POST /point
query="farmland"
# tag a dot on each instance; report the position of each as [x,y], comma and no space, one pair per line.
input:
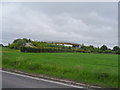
[89,68]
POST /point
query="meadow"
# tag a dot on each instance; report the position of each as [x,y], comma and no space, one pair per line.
[93,69]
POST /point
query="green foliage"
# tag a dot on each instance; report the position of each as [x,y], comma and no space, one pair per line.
[104,47]
[13,46]
[90,49]
[52,47]
[116,48]
[21,42]
[18,43]
[118,51]
[106,51]
[45,44]
[44,49]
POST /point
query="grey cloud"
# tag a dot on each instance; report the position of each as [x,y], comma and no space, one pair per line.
[50,22]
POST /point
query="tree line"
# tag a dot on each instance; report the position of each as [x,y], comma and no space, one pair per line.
[33,45]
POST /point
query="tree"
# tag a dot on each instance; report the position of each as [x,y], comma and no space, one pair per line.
[16,40]
[25,39]
[116,48]
[12,46]
[104,47]
[18,43]
[29,40]
[91,46]
[21,42]
[83,47]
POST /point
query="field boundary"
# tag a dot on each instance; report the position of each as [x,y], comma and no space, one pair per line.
[51,78]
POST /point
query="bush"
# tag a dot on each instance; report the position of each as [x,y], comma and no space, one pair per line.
[117,52]
[104,47]
[82,51]
[107,51]
[43,49]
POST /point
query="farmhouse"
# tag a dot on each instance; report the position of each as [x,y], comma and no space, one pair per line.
[68,44]
[29,45]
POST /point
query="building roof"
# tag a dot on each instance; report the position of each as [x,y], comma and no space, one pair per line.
[67,43]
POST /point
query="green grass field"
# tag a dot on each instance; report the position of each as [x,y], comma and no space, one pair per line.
[94,69]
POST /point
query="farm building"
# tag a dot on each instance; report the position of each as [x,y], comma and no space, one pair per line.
[68,44]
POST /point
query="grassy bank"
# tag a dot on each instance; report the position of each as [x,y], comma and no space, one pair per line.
[95,69]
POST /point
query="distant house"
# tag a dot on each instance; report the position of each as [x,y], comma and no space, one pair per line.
[68,44]
[29,45]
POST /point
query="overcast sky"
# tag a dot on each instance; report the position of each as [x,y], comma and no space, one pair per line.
[84,23]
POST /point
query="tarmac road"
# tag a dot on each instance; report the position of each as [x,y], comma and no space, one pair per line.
[14,80]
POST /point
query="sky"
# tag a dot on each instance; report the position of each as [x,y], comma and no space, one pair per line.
[88,23]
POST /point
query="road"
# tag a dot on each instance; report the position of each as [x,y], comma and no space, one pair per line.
[14,80]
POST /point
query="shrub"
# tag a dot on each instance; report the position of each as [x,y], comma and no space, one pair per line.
[117,52]
[44,49]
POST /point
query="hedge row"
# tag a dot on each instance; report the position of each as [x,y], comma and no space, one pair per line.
[53,49]
[44,49]
[48,49]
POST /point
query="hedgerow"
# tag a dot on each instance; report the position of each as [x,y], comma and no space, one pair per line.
[44,49]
